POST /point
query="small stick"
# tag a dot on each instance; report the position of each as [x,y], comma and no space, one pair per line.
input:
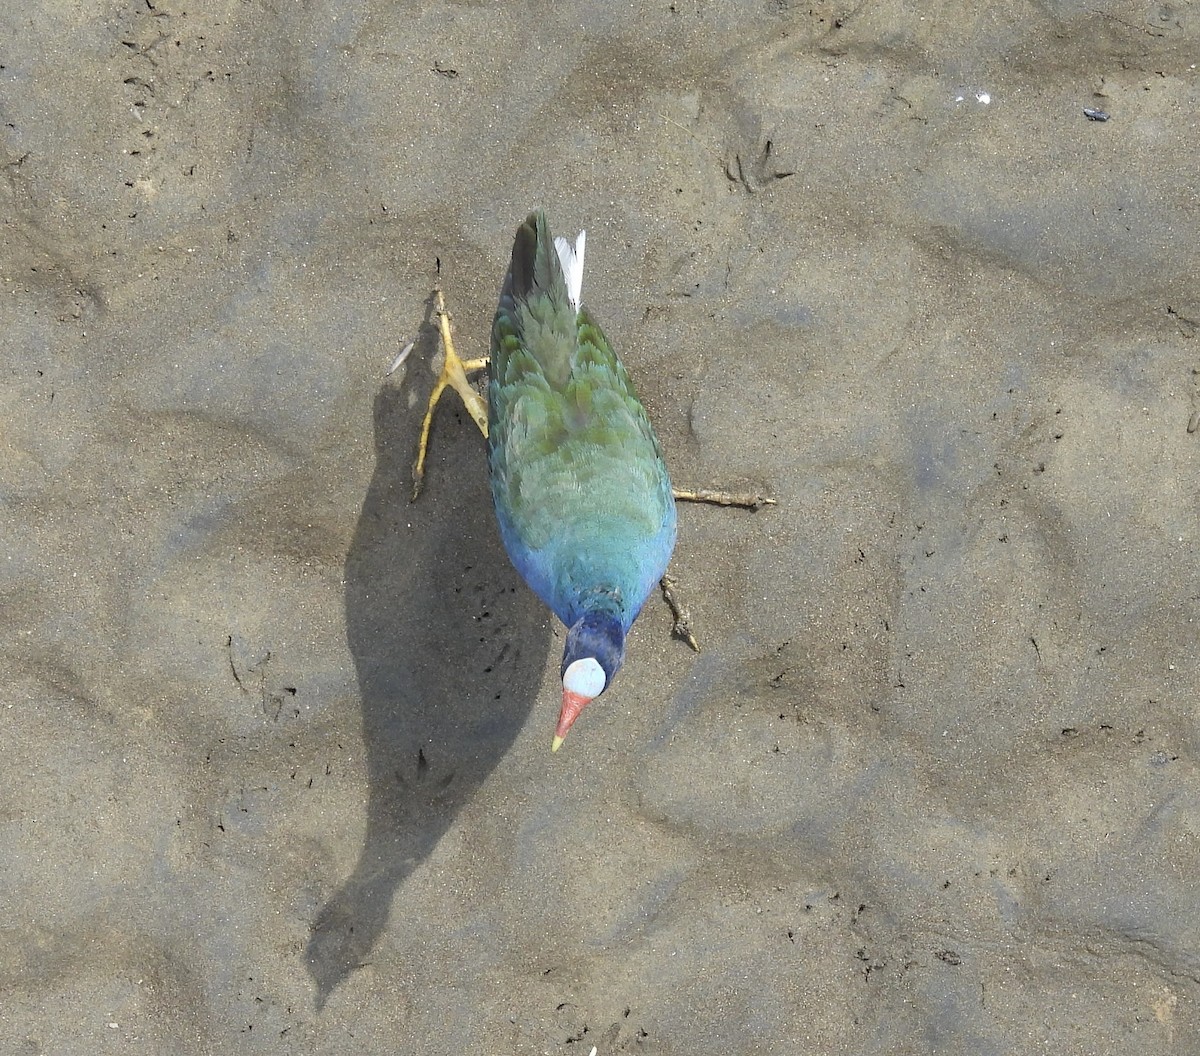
[398,362]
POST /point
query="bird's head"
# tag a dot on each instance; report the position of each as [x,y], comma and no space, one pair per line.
[593,654]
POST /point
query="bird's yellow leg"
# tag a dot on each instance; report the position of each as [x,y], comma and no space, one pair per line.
[453,375]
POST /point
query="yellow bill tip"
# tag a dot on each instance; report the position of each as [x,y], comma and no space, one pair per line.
[556,744]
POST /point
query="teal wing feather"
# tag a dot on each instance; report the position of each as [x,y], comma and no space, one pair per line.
[581,489]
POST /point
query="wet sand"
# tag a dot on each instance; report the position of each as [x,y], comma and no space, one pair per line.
[277,773]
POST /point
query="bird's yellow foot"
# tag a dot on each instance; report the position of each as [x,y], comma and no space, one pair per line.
[453,375]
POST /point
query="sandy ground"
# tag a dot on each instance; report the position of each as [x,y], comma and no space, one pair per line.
[276,741]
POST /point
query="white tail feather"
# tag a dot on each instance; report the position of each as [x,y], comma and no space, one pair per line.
[571,260]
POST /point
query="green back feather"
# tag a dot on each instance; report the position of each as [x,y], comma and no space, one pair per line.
[581,488]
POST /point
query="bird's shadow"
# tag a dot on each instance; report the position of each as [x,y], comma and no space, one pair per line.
[449,648]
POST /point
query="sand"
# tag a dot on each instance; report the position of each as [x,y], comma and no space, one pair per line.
[276,769]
